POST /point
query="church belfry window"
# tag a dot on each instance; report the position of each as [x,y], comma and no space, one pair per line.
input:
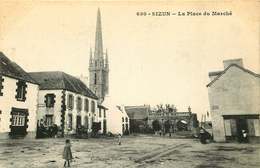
[95,78]
[1,85]
[21,91]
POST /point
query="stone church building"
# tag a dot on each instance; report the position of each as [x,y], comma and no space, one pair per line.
[234,95]
[98,65]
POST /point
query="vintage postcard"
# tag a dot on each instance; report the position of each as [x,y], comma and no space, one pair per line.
[129,83]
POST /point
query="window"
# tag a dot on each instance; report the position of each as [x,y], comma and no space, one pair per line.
[18,119]
[126,119]
[99,112]
[70,102]
[1,85]
[86,122]
[104,113]
[49,120]
[86,108]
[93,106]
[21,91]
[69,121]
[122,119]
[49,100]
[79,104]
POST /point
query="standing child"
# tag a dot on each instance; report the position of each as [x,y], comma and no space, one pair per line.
[67,155]
[119,139]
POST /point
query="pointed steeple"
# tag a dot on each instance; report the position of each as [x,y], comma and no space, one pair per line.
[90,56]
[99,41]
[106,59]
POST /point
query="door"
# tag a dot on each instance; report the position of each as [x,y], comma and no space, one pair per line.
[78,124]
[241,125]
[104,127]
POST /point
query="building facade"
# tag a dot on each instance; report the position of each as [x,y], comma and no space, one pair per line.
[171,121]
[18,101]
[138,116]
[98,65]
[66,101]
[234,95]
[117,119]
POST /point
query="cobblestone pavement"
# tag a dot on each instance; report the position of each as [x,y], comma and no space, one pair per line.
[135,151]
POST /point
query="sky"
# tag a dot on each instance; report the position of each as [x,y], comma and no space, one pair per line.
[153,59]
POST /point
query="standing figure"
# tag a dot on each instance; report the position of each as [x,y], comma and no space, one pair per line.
[67,155]
[244,136]
[202,136]
[119,139]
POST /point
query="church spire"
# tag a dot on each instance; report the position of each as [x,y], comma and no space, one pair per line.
[90,55]
[99,41]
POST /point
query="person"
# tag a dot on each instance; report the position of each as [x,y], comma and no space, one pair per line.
[244,136]
[170,131]
[202,136]
[119,139]
[67,155]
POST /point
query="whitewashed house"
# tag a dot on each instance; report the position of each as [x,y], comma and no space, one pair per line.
[234,95]
[66,101]
[117,118]
[18,101]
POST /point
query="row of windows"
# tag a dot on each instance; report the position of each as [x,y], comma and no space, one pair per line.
[124,119]
[20,90]
[79,103]
[86,124]
[50,101]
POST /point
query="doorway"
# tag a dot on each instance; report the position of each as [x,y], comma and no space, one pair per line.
[241,125]
[78,123]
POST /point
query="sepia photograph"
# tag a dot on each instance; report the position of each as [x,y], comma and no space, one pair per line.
[138,84]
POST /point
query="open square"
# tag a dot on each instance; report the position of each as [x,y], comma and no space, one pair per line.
[135,151]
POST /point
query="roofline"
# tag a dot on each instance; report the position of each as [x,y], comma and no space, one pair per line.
[215,73]
[14,77]
[64,73]
[103,107]
[231,65]
[71,91]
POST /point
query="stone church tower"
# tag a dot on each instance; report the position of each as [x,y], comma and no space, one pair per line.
[98,65]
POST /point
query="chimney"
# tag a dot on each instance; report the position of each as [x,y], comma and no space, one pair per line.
[238,62]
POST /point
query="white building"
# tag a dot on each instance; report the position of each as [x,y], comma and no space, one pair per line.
[66,101]
[234,95]
[117,118]
[18,100]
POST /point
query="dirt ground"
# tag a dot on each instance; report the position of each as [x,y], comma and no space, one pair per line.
[135,151]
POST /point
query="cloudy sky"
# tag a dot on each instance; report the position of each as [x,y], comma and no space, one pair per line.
[153,59]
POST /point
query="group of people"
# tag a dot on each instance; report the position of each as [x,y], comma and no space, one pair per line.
[44,131]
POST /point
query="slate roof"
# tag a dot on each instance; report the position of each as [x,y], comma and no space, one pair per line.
[220,73]
[12,70]
[137,112]
[56,80]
